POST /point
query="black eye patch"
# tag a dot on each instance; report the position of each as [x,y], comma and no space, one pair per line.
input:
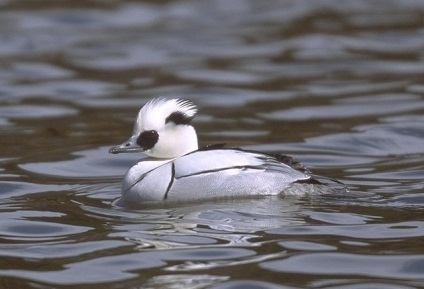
[147,139]
[178,117]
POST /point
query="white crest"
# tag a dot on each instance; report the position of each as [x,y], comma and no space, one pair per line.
[154,113]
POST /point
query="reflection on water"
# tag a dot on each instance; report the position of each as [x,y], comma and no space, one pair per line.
[337,84]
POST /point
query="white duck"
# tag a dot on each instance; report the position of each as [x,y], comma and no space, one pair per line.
[178,170]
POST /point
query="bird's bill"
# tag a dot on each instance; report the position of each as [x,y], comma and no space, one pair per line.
[130,146]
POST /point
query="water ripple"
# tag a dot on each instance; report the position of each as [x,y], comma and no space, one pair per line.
[337,84]
[395,267]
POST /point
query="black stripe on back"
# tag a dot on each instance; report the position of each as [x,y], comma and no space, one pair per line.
[222,169]
[170,182]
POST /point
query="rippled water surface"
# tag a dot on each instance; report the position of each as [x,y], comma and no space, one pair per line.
[337,84]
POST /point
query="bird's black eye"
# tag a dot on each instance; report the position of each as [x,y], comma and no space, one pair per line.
[147,139]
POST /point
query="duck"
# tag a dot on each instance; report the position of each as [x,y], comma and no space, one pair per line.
[175,168]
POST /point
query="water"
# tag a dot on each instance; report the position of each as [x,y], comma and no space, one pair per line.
[337,84]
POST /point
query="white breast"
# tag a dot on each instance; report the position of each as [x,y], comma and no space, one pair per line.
[209,174]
